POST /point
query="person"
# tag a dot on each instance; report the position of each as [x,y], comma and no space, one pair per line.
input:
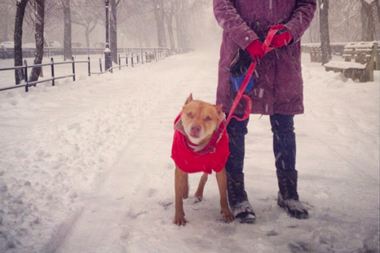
[277,90]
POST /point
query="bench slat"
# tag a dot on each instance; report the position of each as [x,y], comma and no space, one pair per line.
[344,65]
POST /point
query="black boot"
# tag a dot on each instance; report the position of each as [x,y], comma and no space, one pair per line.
[238,199]
[288,196]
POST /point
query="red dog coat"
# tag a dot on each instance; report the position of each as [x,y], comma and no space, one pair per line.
[210,158]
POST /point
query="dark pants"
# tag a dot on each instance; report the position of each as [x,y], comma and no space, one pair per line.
[284,143]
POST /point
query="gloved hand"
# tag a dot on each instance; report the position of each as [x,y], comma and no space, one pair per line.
[256,51]
[282,38]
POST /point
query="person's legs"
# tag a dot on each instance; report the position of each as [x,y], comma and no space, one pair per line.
[284,141]
[237,196]
[284,147]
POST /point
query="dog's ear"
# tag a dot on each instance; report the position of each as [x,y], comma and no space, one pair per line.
[189,99]
[219,109]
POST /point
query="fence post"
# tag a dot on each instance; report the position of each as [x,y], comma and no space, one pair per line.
[132,60]
[89,66]
[126,60]
[52,71]
[119,63]
[100,65]
[26,76]
[73,62]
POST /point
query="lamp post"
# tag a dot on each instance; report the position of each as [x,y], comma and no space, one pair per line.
[107,51]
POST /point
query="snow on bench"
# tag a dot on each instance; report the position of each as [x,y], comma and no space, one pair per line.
[344,65]
[366,60]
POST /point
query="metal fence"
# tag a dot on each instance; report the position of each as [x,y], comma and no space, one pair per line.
[8,53]
[129,59]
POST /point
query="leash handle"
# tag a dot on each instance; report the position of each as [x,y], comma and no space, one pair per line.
[244,85]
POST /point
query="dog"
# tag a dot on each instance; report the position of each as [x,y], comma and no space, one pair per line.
[200,144]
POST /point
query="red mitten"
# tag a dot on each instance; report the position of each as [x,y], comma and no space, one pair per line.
[255,49]
[282,38]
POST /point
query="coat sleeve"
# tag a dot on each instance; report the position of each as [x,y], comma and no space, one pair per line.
[301,18]
[232,24]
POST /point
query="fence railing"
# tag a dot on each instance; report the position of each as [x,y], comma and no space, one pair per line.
[129,59]
[8,53]
[135,57]
[28,83]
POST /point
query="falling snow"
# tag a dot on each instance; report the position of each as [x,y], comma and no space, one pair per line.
[85,166]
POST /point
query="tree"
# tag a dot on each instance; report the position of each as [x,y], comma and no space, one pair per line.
[7,10]
[20,13]
[39,37]
[159,13]
[169,22]
[86,14]
[324,28]
[180,20]
[67,52]
[113,30]
[138,14]
[367,18]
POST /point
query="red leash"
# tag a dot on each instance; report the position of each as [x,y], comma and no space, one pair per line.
[248,76]
[210,147]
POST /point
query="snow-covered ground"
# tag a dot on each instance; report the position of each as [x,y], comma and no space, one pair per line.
[85,166]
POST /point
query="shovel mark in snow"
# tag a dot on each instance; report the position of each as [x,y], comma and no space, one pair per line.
[299,247]
[134,215]
[165,204]
[151,192]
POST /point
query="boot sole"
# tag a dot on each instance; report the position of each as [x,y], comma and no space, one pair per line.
[293,213]
[246,218]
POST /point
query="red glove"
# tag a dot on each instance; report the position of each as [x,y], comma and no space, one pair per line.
[282,38]
[255,49]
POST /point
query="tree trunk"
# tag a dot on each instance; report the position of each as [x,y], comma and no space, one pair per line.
[67,52]
[159,14]
[179,24]
[39,36]
[169,21]
[324,28]
[113,32]
[5,21]
[87,36]
[368,26]
[378,18]
[20,13]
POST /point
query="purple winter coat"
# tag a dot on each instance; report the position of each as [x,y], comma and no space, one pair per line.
[278,78]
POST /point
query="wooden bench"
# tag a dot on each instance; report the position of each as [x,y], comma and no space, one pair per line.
[360,60]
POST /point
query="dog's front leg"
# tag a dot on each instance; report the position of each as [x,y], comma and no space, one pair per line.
[180,182]
[221,178]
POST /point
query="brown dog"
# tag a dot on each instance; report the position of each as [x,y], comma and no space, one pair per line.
[200,144]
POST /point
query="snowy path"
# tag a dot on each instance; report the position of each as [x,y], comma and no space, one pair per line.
[99,150]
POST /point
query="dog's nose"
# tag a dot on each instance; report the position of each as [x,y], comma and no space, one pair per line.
[195,130]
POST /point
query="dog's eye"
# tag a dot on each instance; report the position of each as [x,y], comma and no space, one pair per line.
[190,115]
[208,118]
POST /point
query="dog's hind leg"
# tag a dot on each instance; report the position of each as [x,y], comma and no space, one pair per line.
[201,186]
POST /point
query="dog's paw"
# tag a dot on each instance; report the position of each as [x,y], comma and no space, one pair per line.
[227,216]
[198,199]
[180,220]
